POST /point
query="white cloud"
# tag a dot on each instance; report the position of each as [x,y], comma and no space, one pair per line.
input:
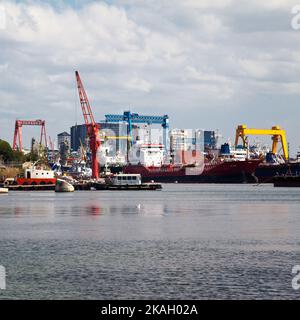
[211,24]
[274,4]
[138,84]
[206,3]
[252,68]
[3,67]
[192,73]
[166,56]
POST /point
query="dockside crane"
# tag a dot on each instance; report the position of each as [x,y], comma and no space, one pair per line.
[18,132]
[131,118]
[278,135]
[92,127]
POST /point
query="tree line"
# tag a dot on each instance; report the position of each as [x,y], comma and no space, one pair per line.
[7,154]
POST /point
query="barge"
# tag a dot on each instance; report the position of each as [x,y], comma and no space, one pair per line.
[130,182]
[269,172]
[289,181]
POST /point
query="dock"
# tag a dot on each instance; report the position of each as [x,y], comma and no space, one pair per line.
[87,187]
[143,186]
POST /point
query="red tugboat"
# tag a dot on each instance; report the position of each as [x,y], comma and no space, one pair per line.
[36,176]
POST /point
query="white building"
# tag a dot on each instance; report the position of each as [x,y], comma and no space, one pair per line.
[62,138]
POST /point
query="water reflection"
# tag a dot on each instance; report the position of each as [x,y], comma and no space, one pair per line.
[175,243]
[124,209]
[94,210]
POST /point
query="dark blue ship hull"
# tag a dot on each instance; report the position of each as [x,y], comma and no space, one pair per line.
[266,172]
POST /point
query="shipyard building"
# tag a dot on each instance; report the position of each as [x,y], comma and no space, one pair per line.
[78,133]
[63,138]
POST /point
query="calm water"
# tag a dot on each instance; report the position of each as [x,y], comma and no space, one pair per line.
[185,242]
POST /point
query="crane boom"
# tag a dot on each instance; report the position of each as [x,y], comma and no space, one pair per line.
[91,126]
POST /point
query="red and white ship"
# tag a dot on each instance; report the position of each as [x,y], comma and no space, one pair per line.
[193,169]
[36,176]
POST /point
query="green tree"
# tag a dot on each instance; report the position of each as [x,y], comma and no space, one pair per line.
[6,152]
[18,156]
[32,156]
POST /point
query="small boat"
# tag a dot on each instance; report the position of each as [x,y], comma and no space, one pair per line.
[3,190]
[63,186]
[123,181]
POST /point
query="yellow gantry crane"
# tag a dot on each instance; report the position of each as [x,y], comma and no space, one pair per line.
[278,135]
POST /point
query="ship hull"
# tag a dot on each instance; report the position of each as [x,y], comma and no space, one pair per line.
[35,181]
[224,172]
[266,173]
[287,181]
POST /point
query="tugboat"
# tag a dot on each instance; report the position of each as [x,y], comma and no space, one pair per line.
[33,178]
[36,176]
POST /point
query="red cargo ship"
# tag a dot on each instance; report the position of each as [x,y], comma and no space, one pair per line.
[219,171]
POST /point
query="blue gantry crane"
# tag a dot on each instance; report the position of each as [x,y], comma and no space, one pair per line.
[131,118]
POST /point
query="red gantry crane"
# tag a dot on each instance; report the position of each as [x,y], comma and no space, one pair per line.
[92,127]
[18,132]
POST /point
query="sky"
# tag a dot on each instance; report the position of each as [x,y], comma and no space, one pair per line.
[207,64]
